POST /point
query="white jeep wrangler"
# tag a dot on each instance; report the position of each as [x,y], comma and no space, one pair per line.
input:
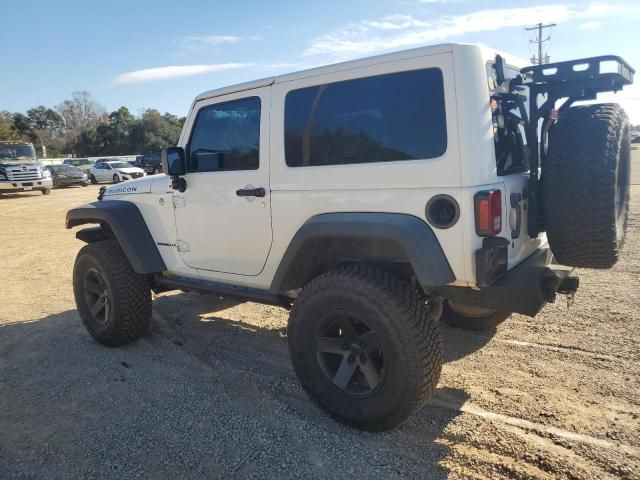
[372,198]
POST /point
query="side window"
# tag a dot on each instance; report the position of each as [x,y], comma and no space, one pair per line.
[226,137]
[385,118]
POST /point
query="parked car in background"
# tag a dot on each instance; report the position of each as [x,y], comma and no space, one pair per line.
[114,171]
[151,163]
[635,137]
[67,175]
[83,164]
[20,169]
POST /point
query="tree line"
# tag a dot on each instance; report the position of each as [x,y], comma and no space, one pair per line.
[80,126]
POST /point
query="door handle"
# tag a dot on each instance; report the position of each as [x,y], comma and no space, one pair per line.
[251,192]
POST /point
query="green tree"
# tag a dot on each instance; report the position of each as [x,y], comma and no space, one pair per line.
[154,131]
[22,128]
[7,131]
[47,127]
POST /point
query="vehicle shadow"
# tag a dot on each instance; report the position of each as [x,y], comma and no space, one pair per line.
[13,196]
[204,394]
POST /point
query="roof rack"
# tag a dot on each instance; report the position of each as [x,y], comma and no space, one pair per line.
[582,78]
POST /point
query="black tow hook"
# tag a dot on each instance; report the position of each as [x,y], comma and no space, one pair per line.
[569,285]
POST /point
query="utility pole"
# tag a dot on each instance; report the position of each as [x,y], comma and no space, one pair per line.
[539,27]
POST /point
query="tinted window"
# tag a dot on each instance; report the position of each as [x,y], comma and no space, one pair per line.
[226,137]
[399,116]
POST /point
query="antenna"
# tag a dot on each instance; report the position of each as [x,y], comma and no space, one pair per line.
[539,41]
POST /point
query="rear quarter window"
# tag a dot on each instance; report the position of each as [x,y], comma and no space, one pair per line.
[383,118]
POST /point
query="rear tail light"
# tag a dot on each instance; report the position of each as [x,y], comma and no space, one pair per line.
[488,207]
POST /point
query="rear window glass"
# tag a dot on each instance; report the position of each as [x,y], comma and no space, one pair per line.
[385,118]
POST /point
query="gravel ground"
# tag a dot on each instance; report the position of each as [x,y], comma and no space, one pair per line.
[209,392]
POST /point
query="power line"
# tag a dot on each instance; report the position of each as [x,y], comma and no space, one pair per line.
[539,41]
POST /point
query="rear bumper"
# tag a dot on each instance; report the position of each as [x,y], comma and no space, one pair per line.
[524,289]
[21,186]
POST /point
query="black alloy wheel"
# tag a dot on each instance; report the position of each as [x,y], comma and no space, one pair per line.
[96,296]
[350,354]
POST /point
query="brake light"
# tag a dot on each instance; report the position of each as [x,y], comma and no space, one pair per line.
[488,207]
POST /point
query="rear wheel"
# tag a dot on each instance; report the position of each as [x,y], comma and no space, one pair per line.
[365,346]
[46,191]
[116,178]
[585,185]
[471,318]
[114,302]
[157,170]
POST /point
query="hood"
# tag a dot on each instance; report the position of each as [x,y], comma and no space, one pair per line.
[130,187]
[16,162]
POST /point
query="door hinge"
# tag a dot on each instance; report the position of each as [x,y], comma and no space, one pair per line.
[183,246]
[178,202]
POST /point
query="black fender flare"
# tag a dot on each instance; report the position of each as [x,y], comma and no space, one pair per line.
[326,240]
[128,227]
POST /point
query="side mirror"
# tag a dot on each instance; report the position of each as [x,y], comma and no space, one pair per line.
[173,162]
[499,68]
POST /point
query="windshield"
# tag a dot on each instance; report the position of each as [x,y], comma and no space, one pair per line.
[17,152]
[81,161]
[120,165]
[64,168]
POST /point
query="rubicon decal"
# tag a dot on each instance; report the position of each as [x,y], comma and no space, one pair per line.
[122,189]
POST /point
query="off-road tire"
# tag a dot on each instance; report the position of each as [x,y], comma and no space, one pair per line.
[585,185]
[408,333]
[475,319]
[46,191]
[92,179]
[128,292]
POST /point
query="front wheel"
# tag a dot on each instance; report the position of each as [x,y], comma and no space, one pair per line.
[46,191]
[365,346]
[114,302]
[157,170]
[92,179]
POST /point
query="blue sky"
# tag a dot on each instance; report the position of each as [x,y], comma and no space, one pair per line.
[160,54]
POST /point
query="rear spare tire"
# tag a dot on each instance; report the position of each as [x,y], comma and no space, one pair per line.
[585,186]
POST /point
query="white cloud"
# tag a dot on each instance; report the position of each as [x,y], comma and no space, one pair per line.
[403,31]
[196,44]
[162,73]
[594,25]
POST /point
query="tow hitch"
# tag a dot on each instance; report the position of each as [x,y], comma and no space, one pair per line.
[567,285]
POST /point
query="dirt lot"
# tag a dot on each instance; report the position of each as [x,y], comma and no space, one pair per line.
[209,392]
